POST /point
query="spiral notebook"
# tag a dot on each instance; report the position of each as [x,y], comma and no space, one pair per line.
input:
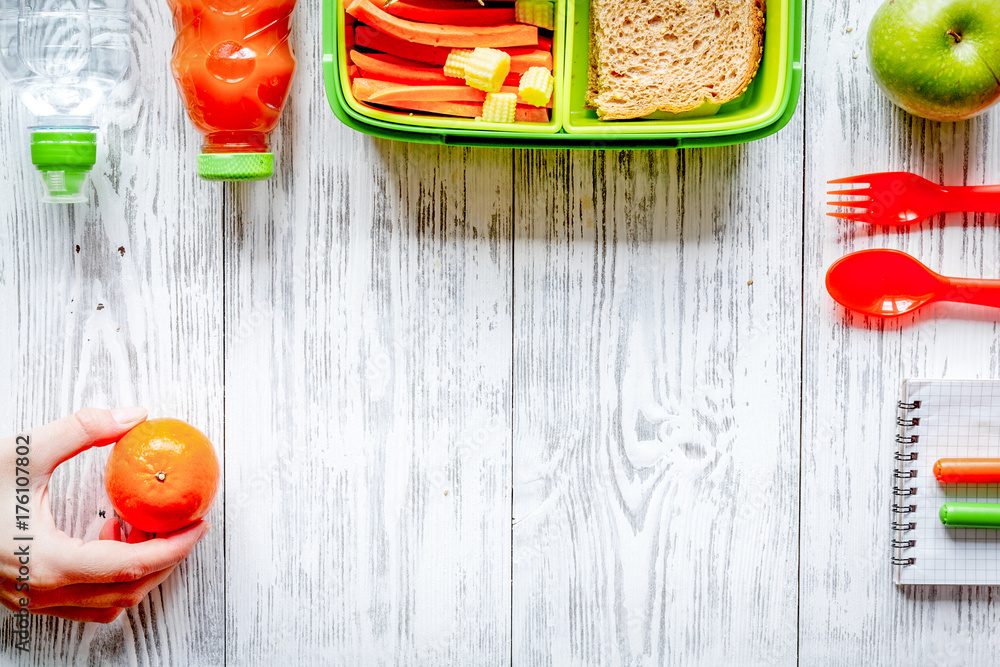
[943,419]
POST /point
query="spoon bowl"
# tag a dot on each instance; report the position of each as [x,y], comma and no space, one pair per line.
[884,283]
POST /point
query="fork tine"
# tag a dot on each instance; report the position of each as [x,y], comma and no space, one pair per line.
[853,217]
[851,203]
[864,178]
[856,192]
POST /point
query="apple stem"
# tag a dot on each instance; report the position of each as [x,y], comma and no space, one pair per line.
[955,36]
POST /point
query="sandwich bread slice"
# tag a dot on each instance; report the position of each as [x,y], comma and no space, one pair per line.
[671,55]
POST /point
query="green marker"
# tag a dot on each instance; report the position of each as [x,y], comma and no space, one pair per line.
[970,515]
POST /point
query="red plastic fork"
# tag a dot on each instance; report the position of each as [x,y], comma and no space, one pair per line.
[902,198]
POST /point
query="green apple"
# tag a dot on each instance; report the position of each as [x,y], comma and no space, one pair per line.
[938,59]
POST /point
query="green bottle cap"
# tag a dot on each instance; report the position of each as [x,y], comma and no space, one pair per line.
[236,166]
[64,159]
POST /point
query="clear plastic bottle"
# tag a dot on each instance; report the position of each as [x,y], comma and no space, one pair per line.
[62,58]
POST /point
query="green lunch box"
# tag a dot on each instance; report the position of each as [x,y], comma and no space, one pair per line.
[766,106]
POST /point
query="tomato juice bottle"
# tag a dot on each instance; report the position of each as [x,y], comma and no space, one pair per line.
[233,68]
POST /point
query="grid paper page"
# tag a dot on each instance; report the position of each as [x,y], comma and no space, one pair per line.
[956,419]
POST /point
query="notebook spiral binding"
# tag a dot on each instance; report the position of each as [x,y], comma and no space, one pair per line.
[905,420]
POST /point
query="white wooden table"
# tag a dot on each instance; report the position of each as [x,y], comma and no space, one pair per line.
[483,407]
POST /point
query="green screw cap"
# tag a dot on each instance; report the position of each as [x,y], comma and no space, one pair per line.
[64,160]
[236,166]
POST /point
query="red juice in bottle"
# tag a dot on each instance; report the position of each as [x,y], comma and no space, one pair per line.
[233,68]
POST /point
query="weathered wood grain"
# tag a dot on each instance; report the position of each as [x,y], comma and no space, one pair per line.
[133,317]
[656,420]
[852,613]
[383,323]
[368,389]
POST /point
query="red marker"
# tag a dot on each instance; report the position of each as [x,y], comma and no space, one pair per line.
[967,471]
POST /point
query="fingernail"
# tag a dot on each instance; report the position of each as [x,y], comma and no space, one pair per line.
[128,416]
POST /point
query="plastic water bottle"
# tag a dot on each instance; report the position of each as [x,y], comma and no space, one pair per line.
[62,58]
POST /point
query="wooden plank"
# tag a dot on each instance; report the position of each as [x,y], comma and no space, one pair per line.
[655,415]
[368,355]
[852,613]
[117,302]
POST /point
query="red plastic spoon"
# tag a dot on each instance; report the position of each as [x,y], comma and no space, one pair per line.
[889,283]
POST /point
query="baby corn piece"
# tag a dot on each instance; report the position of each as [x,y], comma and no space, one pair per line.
[499,107]
[454,66]
[535,12]
[486,69]
[536,86]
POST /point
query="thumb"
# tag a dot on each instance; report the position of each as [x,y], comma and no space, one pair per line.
[110,561]
[63,439]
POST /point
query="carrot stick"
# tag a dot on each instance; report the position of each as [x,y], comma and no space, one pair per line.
[385,67]
[967,471]
[370,38]
[469,14]
[522,59]
[511,34]
[522,114]
[387,92]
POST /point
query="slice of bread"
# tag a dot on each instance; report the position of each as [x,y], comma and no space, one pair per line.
[672,55]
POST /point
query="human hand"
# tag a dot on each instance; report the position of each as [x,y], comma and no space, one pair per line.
[53,573]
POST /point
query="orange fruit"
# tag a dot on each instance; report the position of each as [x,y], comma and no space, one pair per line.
[162,475]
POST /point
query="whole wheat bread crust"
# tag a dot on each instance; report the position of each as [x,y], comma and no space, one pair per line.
[671,55]
[591,96]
